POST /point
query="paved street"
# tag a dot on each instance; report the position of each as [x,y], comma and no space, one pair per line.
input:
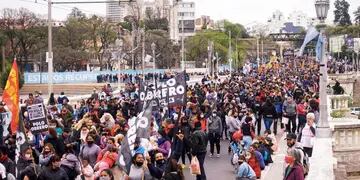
[216,168]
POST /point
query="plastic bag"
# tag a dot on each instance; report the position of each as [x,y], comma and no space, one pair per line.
[285,120]
[195,166]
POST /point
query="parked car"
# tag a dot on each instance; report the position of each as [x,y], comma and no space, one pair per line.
[355,111]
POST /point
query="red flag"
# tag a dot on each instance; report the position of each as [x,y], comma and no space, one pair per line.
[11,96]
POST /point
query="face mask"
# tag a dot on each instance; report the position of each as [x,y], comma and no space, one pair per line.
[90,142]
[162,161]
[104,178]
[214,114]
[289,159]
[139,163]
[46,152]
[202,116]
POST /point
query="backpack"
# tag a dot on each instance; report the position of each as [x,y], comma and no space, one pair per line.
[306,162]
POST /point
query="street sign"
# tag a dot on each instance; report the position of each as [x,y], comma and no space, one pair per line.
[48,57]
[37,118]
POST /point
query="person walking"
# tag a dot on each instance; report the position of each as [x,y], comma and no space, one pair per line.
[268,112]
[199,141]
[289,111]
[307,135]
[215,129]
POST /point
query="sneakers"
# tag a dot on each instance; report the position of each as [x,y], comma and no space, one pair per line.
[211,155]
[218,155]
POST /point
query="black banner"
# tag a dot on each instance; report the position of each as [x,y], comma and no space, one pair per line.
[168,93]
[37,118]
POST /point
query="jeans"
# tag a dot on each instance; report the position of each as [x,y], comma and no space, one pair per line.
[214,139]
[258,124]
[247,142]
[291,126]
[268,122]
[302,122]
[201,158]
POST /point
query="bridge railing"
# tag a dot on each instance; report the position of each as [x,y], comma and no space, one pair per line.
[346,148]
[339,102]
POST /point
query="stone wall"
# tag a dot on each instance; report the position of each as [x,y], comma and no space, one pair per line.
[346,150]
[356,94]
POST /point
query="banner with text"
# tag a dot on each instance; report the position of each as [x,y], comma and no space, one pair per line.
[37,118]
[170,92]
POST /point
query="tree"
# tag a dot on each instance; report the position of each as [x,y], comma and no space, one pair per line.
[101,34]
[341,13]
[76,13]
[357,16]
[70,45]
[166,53]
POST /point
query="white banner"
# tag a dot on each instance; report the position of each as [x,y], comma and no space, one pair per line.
[336,42]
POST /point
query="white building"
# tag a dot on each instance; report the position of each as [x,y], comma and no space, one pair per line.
[182,17]
[117,13]
[278,21]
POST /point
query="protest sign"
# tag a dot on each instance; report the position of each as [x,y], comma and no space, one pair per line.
[37,118]
[168,93]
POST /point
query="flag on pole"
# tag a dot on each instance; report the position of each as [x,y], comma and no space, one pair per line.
[311,34]
[11,96]
[21,142]
[319,46]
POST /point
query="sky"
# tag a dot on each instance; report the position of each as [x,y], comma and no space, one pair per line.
[245,12]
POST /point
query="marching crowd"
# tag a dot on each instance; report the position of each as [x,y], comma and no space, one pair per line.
[84,140]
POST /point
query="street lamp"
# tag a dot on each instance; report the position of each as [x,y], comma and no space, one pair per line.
[322,8]
[153,46]
[119,44]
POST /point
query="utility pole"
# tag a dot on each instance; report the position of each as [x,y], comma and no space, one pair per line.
[49,57]
[143,54]
[262,51]
[133,45]
[257,52]
[182,43]
[230,53]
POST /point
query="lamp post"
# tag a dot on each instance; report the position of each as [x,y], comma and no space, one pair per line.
[153,46]
[322,8]
[119,45]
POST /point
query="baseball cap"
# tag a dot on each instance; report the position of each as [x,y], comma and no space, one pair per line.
[291,136]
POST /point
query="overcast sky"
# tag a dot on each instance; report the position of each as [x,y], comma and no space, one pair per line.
[240,11]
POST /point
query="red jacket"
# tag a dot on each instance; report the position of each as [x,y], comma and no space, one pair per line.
[296,173]
[254,164]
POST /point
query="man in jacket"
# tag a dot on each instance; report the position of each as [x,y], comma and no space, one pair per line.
[289,111]
[53,171]
[215,129]
[199,141]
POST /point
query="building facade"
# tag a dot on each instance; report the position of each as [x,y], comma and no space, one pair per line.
[182,20]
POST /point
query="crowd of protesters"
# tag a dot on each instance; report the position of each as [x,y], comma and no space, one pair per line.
[126,78]
[339,66]
[84,139]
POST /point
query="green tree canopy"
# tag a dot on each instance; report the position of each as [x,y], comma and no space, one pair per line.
[357,16]
[341,12]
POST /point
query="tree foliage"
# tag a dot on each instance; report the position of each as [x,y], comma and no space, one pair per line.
[341,13]
[357,16]
[4,76]
[197,46]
